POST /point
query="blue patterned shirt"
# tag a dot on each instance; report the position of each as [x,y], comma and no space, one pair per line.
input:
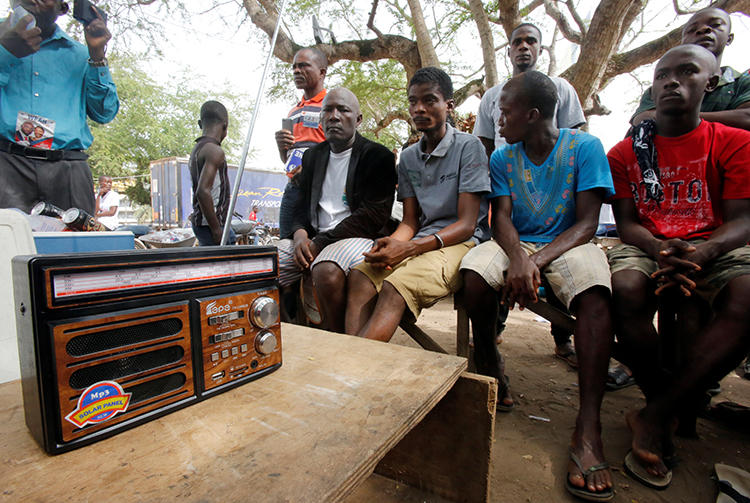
[544,197]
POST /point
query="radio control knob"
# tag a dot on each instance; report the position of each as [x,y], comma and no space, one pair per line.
[265,342]
[264,312]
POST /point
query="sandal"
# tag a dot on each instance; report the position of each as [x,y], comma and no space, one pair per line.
[583,492]
[618,378]
[636,470]
[503,392]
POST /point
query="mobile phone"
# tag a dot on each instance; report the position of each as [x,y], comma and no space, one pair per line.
[17,13]
[287,124]
[82,12]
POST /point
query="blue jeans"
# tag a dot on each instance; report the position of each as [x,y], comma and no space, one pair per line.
[204,237]
[291,198]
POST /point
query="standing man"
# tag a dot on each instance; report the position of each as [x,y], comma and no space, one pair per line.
[49,80]
[208,172]
[524,49]
[309,69]
[729,102]
[107,204]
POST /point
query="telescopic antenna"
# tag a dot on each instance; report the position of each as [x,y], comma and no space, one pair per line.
[246,146]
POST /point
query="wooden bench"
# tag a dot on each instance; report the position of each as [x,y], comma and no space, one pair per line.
[543,308]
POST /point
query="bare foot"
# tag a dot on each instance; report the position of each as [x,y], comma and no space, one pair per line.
[647,443]
[587,447]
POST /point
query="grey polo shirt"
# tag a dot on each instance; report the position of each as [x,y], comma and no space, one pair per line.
[568,113]
[457,165]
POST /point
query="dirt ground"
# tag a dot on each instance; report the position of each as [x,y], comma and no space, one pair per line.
[530,456]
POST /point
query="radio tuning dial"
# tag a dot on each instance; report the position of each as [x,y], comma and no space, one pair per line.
[264,312]
[265,342]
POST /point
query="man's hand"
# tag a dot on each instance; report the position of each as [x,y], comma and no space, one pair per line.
[216,233]
[521,283]
[305,252]
[97,36]
[284,141]
[388,252]
[677,260]
[19,41]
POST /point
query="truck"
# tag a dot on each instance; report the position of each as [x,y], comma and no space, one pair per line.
[172,193]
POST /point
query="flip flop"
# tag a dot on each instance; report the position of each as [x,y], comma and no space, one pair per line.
[501,392]
[636,470]
[583,492]
[746,368]
[734,484]
[618,378]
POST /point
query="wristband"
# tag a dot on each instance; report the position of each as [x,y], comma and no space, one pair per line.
[101,62]
[439,240]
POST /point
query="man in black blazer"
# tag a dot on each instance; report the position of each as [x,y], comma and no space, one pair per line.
[348,184]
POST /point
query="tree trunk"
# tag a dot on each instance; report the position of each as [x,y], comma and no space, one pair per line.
[485,38]
[598,47]
[424,41]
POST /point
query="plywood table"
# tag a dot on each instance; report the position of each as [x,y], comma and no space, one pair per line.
[312,431]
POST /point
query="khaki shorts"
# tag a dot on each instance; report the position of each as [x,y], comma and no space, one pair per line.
[424,279]
[570,274]
[709,281]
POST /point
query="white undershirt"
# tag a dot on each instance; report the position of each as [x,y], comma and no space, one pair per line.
[333,208]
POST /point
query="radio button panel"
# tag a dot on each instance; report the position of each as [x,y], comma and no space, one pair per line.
[245,343]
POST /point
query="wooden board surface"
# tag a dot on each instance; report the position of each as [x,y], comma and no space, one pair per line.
[311,431]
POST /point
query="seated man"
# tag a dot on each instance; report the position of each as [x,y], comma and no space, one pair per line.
[441,180]
[347,184]
[682,207]
[548,185]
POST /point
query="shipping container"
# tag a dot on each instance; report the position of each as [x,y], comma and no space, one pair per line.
[172,193]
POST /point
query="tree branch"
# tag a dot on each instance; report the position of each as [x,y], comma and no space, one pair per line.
[576,17]
[525,11]
[648,53]
[395,47]
[476,86]
[371,19]
[562,23]
[390,117]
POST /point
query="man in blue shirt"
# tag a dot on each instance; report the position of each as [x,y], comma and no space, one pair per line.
[51,81]
[548,185]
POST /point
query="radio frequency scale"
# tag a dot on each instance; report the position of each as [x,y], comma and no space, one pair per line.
[110,340]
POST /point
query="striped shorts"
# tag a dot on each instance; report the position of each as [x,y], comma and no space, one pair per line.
[346,254]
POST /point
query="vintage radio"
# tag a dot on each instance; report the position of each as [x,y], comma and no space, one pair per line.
[111,340]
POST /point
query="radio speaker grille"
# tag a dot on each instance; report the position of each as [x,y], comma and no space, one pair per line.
[125,367]
[157,387]
[124,336]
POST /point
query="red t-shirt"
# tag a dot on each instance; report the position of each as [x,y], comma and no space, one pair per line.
[698,170]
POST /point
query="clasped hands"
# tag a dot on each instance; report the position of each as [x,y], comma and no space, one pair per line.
[677,261]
